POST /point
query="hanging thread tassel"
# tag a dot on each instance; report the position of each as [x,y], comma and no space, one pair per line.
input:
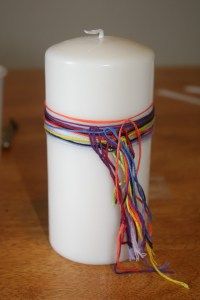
[113,142]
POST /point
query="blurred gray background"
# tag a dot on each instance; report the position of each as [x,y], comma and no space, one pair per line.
[29,27]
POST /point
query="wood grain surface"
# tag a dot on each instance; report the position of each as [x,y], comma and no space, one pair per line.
[30,269]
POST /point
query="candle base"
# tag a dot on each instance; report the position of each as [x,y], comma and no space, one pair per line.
[89,260]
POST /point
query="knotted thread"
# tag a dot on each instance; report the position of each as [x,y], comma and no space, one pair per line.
[113,142]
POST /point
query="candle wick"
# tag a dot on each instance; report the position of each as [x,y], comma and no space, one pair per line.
[100,32]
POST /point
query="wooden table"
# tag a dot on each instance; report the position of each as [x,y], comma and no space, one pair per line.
[30,269]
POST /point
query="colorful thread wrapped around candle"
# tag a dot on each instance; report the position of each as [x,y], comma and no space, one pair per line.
[113,141]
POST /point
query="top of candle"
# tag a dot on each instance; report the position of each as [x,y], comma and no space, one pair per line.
[97,48]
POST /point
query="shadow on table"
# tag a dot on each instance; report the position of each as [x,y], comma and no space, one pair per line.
[31,163]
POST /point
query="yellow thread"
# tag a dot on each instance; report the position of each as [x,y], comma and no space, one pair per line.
[67,138]
[151,254]
[154,264]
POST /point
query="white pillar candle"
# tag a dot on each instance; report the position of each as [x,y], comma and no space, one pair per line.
[92,77]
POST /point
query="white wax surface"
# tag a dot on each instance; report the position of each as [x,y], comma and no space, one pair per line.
[98,79]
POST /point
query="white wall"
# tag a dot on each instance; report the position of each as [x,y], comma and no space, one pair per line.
[28,27]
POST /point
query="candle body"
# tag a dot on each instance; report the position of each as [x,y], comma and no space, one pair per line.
[96,79]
